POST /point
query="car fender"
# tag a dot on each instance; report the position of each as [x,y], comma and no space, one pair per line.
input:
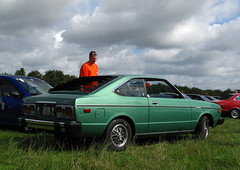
[122,115]
[234,108]
[126,117]
[210,117]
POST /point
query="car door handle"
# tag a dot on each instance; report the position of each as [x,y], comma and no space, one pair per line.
[154,102]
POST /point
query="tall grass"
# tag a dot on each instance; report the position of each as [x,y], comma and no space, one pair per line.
[42,151]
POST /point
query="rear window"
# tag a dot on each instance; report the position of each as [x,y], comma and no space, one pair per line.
[85,84]
[34,86]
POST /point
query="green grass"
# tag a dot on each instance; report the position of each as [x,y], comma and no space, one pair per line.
[42,151]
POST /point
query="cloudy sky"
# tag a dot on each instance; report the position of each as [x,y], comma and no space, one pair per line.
[193,43]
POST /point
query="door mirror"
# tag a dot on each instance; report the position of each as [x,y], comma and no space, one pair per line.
[14,93]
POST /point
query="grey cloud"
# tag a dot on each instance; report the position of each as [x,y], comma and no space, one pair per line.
[138,23]
[169,38]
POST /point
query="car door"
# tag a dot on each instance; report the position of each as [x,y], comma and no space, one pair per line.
[168,109]
[235,102]
[10,102]
[134,101]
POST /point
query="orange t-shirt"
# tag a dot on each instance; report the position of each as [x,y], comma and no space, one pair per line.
[88,70]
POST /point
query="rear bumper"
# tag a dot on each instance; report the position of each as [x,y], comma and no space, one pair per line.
[220,121]
[57,127]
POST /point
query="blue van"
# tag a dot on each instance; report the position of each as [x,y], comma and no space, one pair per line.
[12,91]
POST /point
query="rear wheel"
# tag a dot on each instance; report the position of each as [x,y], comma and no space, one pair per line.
[202,129]
[118,134]
[235,114]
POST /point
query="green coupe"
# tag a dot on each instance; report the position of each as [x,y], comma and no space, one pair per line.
[119,108]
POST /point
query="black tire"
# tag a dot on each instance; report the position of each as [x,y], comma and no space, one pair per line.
[118,134]
[202,129]
[26,129]
[235,114]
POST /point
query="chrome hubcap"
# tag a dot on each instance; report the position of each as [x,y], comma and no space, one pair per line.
[205,129]
[234,114]
[119,135]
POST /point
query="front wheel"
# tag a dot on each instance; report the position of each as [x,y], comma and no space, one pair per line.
[234,114]
[202,129]
[118,134]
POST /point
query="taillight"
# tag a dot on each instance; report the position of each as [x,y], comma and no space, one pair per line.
[64,111]
[59,109]
[69,111]
[25,109]
[29,109]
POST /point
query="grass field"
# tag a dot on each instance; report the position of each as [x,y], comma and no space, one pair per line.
[42,151]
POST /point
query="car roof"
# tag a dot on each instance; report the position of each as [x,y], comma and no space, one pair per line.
[17,76]
[195,94]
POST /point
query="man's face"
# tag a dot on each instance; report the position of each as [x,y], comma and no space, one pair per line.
[93,59]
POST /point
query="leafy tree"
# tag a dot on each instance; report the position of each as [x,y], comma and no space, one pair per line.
[57,77]
[35,74]
[5,73]
[226,92]
[20,72]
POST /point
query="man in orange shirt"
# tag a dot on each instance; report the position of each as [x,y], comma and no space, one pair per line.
[90,68]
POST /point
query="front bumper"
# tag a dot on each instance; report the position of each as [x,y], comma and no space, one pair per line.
[57,127]
[220,121]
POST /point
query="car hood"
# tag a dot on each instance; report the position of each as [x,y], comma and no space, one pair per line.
[197,103]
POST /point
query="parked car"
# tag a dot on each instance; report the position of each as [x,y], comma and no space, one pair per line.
[230,105]
[198,97]
[119,108]
[186,96]
[12,91]
[211,98]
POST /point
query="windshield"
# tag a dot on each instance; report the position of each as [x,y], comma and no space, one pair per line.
[227,97]
[34,86]
[85,84]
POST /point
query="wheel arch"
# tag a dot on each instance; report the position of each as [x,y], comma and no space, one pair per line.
[129,120]
[237,108]
[210,118]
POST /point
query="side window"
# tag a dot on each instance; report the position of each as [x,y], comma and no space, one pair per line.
[237,98]
[196,98]
[134,87]
[161,89]
[8,89]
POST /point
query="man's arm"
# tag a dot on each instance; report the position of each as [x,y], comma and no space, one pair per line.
[83,71]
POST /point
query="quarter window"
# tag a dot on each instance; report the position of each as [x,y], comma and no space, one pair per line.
[134,87]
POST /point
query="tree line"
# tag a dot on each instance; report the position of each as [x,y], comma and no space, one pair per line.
[57,77]
[53,77]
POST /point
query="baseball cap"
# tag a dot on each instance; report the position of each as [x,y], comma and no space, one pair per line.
[92,53]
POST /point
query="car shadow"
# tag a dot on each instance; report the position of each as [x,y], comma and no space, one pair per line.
[9,128]
[163,138]
[41,140]
[45,141]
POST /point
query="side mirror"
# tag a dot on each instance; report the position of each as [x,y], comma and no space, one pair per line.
[14,93]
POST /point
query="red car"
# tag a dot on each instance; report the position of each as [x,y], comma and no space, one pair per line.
[230,105]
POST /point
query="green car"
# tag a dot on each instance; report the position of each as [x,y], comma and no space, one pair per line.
[119,108]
